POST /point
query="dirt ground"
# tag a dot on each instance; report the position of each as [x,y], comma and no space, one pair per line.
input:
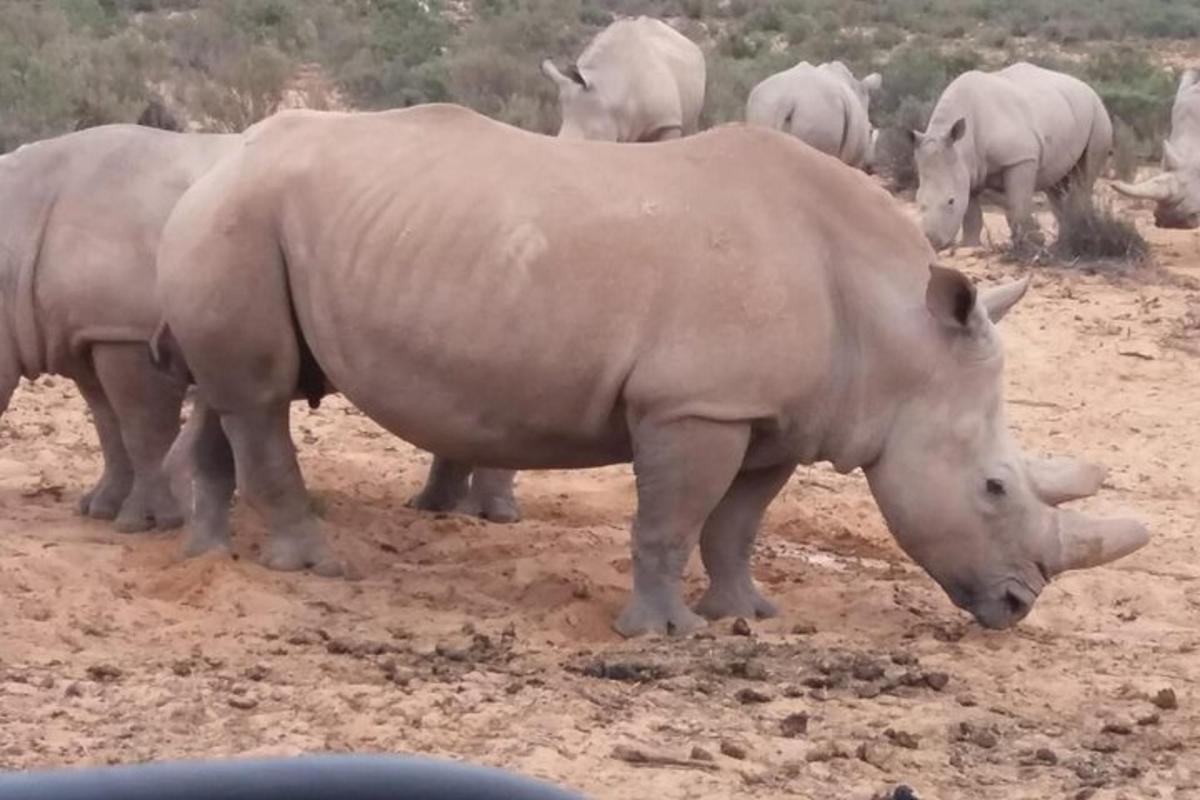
[493,643]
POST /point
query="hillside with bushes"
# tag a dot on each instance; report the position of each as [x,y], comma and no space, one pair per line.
[222,64]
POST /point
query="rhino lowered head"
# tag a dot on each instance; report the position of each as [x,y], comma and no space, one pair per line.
[961,499]
[1175,191]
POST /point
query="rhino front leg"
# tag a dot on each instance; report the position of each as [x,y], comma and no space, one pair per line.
[491,496]
[727,542]
[147,403]
[972,229]
[446,486]
[683,470]
[268,476]
[213,479]
[104,500]
[1020,182]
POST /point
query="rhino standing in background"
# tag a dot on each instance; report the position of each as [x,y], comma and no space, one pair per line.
[639,80]
[1019,130]
[80,218]
[824,106]
[727,307]
[1177,188]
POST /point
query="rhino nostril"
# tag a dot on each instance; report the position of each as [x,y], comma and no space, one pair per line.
[1016,605]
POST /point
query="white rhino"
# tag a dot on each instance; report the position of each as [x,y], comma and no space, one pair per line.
[1177,189]
[1019,130]
[717,310]
[80,218]
[639,80]
[825,106]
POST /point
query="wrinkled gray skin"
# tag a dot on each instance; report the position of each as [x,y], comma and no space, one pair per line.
[1017,131]
[1176,191]
[639,80]
[80,218]
[716,339]
[824,106]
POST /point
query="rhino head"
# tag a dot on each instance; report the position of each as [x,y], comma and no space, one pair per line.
[961,499]
[944,182]
[585,112]
[1176,191]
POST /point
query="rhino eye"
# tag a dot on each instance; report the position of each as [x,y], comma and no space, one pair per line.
[995,487]
[950,202]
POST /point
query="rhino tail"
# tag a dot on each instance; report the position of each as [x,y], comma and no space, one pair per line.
[311,383]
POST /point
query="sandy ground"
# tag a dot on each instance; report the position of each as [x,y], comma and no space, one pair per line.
[492,643]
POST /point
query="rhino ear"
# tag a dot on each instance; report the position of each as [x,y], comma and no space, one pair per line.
[957,130]
[873,82]
[572,78]
[998,300]
[914,136]
[950,297]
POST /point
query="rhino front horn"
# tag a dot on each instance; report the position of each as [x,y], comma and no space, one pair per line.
[1089,542]
[1161,187]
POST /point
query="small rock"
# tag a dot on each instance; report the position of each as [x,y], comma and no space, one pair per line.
[936,680]
[875,754]
[866,669]
[243,703]
[257,673]
[748,696]
[103,673]
[47,682]
[826,751]
[1165,699]
[804,629]
[733,749]
[1119,727]
[750,670]
[868,691]
[700,754]
[966,701]
[904,659]
[1102,744]
[902,738]
[1148,719]
[73,690]
[1045,755]
[903,792]
[626,671]
[795,725]
[741,627]
[182,667]
[791,690]
[980,737]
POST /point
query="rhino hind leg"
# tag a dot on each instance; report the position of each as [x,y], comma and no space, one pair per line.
[268,476]
[446,486]
[103,501]
[491,496]
[213,477]
[147,405]
[727,543]
[1020,182]
[683,470]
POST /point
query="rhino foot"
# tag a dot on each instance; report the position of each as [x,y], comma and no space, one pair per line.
[145,511]
[198,543]
[432,501]
[104,500]
[307,550]
[743,600]
[672,617]
[497,509]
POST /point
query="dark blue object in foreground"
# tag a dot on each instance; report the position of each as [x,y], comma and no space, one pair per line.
[325,777]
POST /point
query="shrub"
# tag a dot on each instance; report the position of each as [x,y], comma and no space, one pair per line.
[1090,232]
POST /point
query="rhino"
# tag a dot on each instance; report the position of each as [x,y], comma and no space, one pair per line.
[1018,130]
[1177,189]
[80,218]
[639,80]
[825,106]
[716,310]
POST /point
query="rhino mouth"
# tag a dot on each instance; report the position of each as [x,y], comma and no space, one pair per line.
[1170,218]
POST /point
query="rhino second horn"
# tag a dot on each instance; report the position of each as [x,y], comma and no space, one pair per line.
[1060,480]
[1086,541]
[1160,187]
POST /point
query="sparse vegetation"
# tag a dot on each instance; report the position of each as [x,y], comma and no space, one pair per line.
[1089,232]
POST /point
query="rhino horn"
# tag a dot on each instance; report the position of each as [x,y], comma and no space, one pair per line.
[1089,542]
[1172,162]
[1162,187]
[997,300]
[1059,480]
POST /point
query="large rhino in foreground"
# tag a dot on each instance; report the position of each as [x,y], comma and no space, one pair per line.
[825,106]
[716,310]
[639,80]
[1177,189]
[1017,131]
[80,218]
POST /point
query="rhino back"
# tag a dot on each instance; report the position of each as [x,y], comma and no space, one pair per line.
[816,105]
[113,187]
[570,281]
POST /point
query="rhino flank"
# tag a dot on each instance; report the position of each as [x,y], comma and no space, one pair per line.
[716,310]
[639,80]
[1176,190]
[824,106]
[1019,130]
[80,219]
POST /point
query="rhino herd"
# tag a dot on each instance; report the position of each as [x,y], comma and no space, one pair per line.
[716,310]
